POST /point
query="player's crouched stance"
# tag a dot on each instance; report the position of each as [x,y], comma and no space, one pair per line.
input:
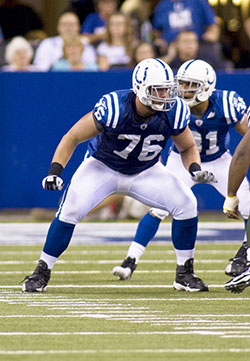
[127,131]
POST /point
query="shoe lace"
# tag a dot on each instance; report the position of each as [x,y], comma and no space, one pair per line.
[234,259]
[28,278]
[129,262]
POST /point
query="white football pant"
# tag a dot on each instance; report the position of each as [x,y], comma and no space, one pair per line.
[156,187]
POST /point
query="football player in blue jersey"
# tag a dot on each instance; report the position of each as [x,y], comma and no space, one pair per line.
[213,113]
[238,169]
[127,130]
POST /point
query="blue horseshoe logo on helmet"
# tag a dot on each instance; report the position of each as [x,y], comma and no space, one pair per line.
[210,82]
[144,76]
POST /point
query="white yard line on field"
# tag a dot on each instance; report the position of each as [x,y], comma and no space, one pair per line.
[107,272]
[8,294]
[158,261]
[128,351]
[90,333]
[105,286]
[81,315]
[108,251]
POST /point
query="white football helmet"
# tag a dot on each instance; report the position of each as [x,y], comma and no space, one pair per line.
[199,78]
[154,84]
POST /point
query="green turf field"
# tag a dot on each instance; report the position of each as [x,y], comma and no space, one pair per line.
[87,314]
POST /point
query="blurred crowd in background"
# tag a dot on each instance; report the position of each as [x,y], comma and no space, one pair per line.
[100,35]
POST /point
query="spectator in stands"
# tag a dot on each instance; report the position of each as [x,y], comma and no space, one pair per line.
[173,16]
[116,50]
[51,49]
[186,47]
[140,12]
[142,51]
[35,37]
[94,26]
[72,57]
[19,54]
[17,19]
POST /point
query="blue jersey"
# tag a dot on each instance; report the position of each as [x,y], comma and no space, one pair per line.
[172,17]
[93,24]
[211,133]
[128,142]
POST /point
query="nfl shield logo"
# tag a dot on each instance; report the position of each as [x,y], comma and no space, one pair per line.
[199,122]
[143,126]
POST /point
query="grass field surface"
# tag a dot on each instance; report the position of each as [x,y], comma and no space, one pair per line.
[87,314]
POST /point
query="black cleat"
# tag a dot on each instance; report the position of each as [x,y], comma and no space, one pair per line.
[240,282]
[186,280]
[38,281]
[125,270]
[237,264]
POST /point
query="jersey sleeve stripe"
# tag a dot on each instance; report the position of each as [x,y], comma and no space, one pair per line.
[183,116]
[110,111]
[225,106]
[231,107]
[180,114]
[117,111]
[177,114]
[248,115]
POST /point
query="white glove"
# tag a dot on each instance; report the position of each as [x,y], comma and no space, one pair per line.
[203,176]
[230,207]
[52,183]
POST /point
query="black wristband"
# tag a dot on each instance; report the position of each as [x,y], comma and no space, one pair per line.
[194,167]
[55,169]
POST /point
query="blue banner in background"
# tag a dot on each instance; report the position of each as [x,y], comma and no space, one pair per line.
[37,109]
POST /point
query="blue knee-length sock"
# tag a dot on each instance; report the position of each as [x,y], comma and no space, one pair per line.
[58,237]
[146,229]
[184,233]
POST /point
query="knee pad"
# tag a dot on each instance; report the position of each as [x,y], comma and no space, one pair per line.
[187,208]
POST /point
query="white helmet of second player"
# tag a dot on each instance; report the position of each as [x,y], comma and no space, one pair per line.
[201,80]
[154,84]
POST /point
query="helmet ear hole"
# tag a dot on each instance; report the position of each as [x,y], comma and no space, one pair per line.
[202,97]
[203,94]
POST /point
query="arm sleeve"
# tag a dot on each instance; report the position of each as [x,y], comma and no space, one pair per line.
[181,116]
